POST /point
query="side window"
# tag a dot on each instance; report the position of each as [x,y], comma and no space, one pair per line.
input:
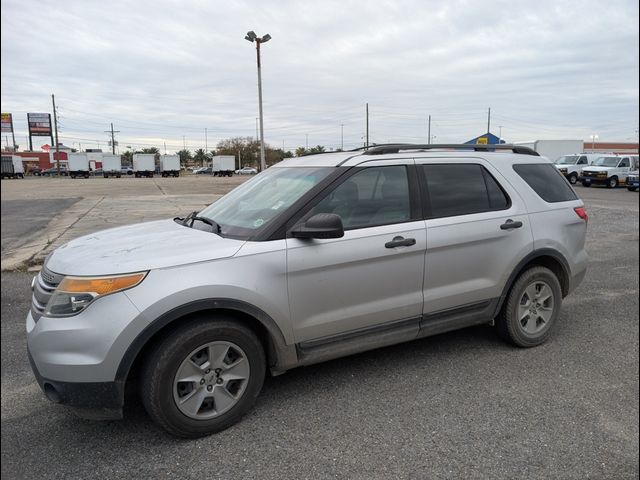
[546,181]
[624,162]
[370,197]
[582,161]
[461,189]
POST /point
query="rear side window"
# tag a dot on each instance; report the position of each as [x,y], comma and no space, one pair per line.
[546,181]
[462,189]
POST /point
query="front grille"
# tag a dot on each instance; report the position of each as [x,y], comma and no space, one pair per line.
[45,284]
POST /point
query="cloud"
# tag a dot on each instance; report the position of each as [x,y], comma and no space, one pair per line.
[164,70]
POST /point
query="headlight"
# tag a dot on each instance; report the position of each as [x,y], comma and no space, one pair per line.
[73,294]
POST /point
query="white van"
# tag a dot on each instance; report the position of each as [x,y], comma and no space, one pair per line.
[571,166]
[609,170]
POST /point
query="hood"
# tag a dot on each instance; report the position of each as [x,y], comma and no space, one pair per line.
[139,247]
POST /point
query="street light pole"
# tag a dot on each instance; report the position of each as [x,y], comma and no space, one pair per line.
[252,37]
[593,142]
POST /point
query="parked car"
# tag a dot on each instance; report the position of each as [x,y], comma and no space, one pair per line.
[632,181]
[571,166]
[315,258]
[97,171]
[126,170]
[49,172]
[35,171]
[203,171]
[246,171]
[609,170]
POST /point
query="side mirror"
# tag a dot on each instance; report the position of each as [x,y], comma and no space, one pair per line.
[321,225]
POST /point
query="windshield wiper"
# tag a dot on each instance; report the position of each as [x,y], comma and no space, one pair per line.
[193,217]
[216,228]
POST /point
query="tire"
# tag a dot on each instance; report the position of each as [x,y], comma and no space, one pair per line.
[161,390]
[573,179]
[612,182]
[631,189]
[586,184]
[530,325]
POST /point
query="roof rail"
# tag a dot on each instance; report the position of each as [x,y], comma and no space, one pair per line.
[396,148]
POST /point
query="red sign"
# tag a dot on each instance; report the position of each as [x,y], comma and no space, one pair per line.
[45,147]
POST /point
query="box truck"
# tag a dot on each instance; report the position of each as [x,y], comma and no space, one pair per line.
[223,165]
[170,165]
[111,165]
[78,165]
[144,165]
[12,166]
[552,149]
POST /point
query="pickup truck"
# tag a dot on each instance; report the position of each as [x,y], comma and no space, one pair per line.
[609,170]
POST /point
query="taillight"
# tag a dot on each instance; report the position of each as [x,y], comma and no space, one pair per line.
[582,213]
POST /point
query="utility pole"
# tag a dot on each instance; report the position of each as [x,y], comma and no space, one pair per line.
[55,125]
[307,141]
[342,137]
[184,143]
[429,131]
[489,121]
[113,138]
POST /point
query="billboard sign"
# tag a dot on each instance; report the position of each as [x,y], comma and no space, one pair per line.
[7,123]
[39,124]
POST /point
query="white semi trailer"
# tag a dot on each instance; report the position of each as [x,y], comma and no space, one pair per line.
[170,165]
[111,165]
[553,149]
[223,165]
[78,165]
[144,165]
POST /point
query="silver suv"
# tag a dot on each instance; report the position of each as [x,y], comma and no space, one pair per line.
[315,258]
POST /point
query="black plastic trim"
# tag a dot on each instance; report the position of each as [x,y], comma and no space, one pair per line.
[543,252]
[396,148]
[93,400]
[278,357]
[456,318]
[359,340]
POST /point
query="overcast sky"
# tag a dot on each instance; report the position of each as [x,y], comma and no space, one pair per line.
[162,70]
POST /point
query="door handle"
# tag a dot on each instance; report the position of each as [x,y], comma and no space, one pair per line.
[400,242]
[510,225]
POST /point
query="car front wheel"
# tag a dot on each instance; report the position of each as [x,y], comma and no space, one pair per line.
[204,377]
[531,308]
[573,179]
[613,182]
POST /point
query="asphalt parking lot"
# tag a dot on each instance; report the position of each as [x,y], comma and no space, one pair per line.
[458,405]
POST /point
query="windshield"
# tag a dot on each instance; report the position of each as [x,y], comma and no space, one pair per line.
[607,162]
[567,160]
[255,203]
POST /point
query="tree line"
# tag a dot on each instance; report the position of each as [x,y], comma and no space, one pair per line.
[245,149]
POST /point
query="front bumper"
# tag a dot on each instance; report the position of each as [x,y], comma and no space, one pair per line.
[596,180]
[91,400]
[75,359]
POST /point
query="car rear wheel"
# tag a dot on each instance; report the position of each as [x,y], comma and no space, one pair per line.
[203,378]
[531,308]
